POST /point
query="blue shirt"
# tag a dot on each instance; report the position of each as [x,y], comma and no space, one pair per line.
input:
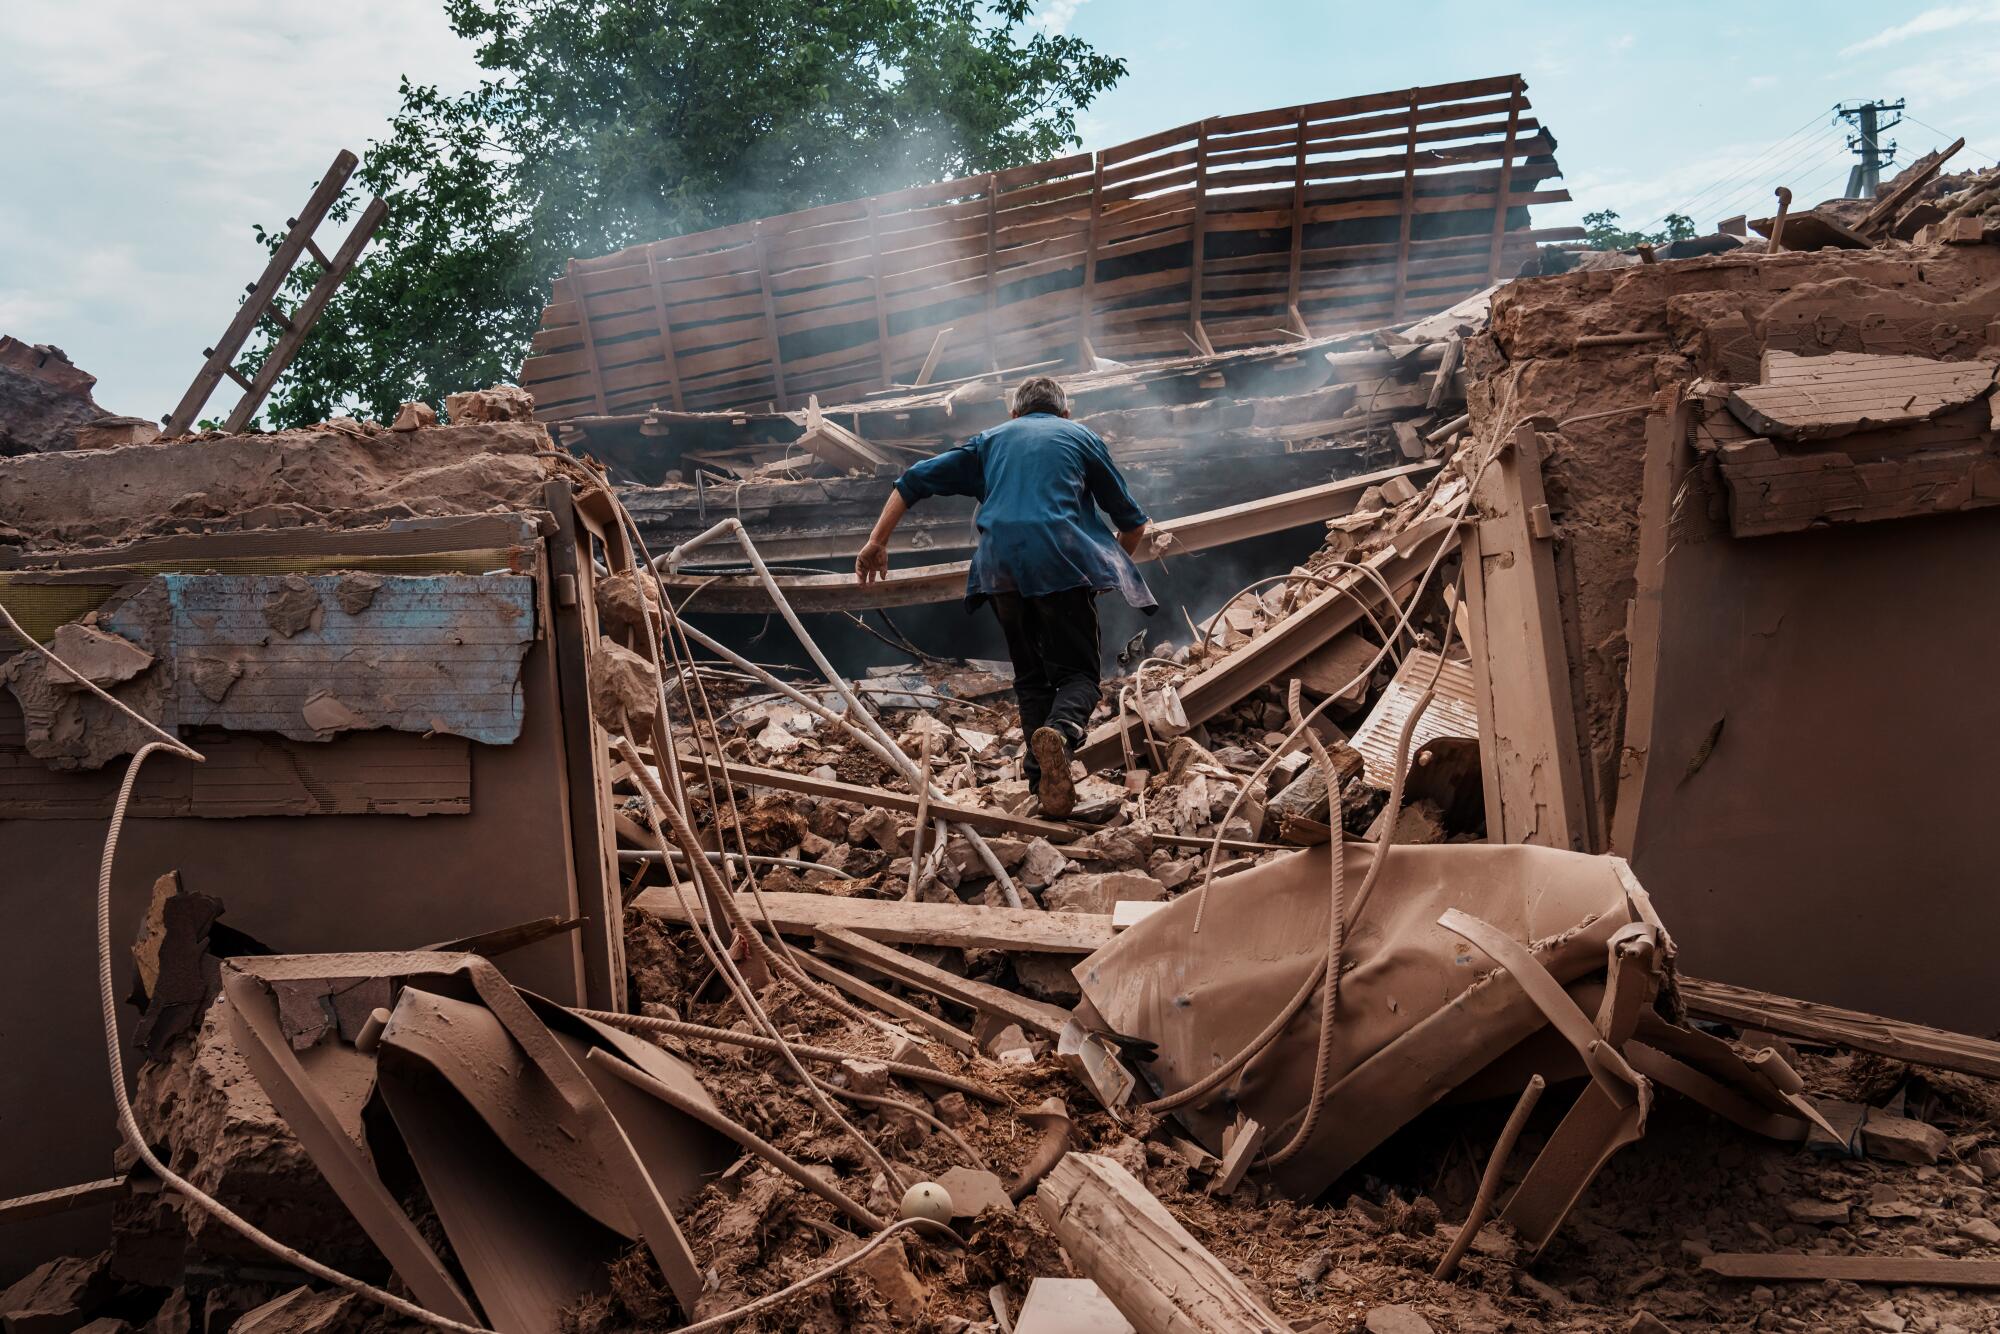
[1039,481]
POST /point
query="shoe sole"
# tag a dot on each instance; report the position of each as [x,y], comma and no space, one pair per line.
[1057,789]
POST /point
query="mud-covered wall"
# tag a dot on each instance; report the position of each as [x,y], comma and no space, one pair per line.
[363,882]
[1714,317]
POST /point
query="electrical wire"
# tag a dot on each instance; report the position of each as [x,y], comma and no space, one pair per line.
[128,1122]
[1742,171]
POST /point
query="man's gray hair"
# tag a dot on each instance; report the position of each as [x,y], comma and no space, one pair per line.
[1039,393]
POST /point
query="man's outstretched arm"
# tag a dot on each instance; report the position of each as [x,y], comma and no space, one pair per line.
[872,562]
[955,472]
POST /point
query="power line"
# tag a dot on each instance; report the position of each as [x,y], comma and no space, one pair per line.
[1947,136]
[1748,195]
[1730,178]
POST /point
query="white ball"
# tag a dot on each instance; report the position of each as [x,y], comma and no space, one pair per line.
[927,1199]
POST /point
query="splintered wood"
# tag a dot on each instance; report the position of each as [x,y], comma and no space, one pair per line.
[1157,1275]
[1852,437]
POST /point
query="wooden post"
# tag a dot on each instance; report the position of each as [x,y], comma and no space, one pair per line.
[1408,223]
[1506,184]
[1198,250]
[1153,1270]
[666,329]
[875,278]
[1298,232]
[992,266]
[582,303]
[763,244]
[1087,354]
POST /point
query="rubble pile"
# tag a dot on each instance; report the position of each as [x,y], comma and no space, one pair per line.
[1418,955]
[45,404]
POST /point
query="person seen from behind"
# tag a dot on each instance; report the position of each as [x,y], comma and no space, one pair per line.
[1041,481]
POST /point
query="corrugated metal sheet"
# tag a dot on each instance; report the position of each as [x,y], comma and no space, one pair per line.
[1451,713]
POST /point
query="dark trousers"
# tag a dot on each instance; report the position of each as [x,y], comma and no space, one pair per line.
[1053,643]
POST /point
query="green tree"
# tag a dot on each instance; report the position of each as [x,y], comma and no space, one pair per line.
[1602,232]
[609,122]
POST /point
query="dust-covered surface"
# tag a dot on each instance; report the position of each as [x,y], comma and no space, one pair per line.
[348,474]
[1718,315]
[1915,1174]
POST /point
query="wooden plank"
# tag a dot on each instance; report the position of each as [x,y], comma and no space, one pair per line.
[1666,463]
[1408,214]
[1297,247]
[1823,398]
[784,398]
[1900,1271]
[1808,1021]
[898,921]
[1514,101]
[1198,245]
[1268,657]
[923,584]
[1032,1015]
[666,332]
[1153,1270]
[1527,720]
[980,818]
[950,1034]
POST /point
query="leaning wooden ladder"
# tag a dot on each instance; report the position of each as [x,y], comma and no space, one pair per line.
[262,302]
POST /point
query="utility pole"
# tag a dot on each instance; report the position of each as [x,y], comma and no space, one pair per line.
[1865,179]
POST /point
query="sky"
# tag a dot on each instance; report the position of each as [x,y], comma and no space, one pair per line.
[147,138]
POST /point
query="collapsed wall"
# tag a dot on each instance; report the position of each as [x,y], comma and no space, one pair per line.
[1671,506]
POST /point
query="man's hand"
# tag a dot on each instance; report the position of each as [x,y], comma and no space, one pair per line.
[872,563]
[1134,539]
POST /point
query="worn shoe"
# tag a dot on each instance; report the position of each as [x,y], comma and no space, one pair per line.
[1057,789]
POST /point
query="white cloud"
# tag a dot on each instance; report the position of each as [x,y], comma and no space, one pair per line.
[1623,41]
[1965,71]
[150,137]
[1055,16]
[1941,19]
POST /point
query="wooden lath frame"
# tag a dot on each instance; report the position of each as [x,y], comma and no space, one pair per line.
[1228,232]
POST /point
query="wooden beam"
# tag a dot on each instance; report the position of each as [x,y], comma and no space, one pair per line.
[931,357]
[979,817]
[900,922]
[1153,1270]
[992,259]
[1199,242]
[887,364]
[921,584]
[771,320]
[1899,1271]
[666,329]
[1506,183]
[1032,1015]
[1298,230]
[593,368]
[1268,657]
[1808,1021]
[1527,715]
[1408,214]
[1086,354]
[950,1034]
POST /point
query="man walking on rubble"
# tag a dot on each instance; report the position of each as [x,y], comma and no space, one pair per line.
[1043,558]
